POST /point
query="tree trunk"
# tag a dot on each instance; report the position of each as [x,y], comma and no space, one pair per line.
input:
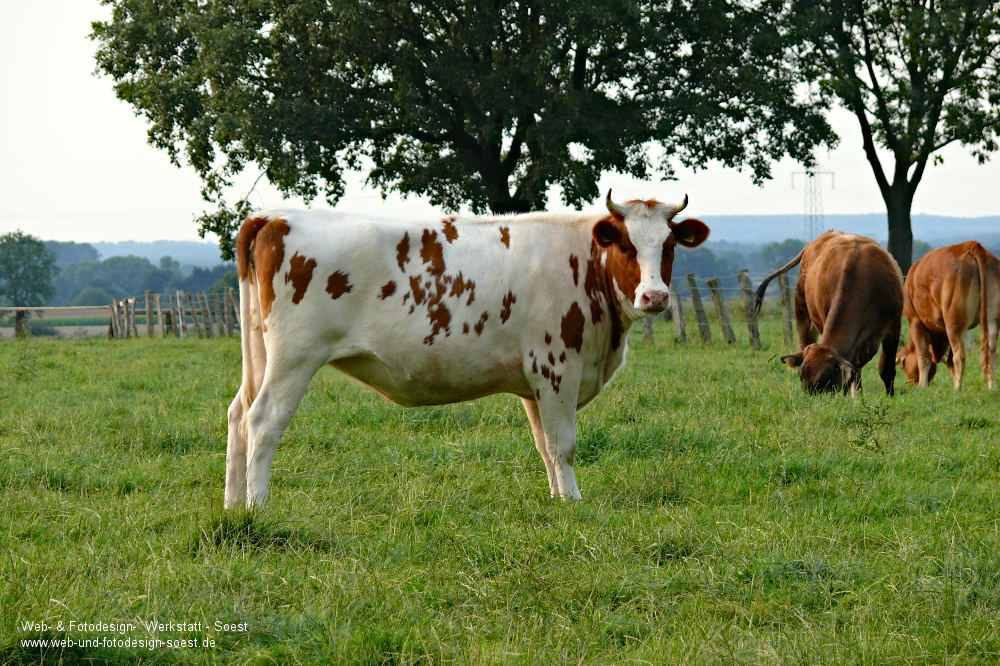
[898,205]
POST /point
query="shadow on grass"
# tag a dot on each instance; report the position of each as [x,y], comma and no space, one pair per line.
[246,530]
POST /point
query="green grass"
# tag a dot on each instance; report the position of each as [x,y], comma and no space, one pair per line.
[728,518]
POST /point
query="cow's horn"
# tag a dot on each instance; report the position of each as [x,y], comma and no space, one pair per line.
[676,208]
[613,207]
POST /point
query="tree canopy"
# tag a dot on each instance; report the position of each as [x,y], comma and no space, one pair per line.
[916,75]
[26,270]
[472,103]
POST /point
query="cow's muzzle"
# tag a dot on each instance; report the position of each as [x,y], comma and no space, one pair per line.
[652,302]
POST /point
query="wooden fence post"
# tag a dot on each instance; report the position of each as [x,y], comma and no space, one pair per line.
[677,310]
[699,309]
[194,315]
[20,325]
[720,306]
[746,286]
[182,315]
[112,322]
[647,328]
[122,319]
[149,313]
[159,317]
[132,303]
[786,307]
[224,308]
[206,313]
[236,307]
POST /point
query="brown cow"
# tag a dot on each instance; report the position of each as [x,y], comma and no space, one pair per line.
[942,299]
[851,291]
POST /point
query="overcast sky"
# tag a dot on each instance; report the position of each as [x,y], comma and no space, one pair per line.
[75,165]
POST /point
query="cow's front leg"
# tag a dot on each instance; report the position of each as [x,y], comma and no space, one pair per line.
[535,419]
[558,416]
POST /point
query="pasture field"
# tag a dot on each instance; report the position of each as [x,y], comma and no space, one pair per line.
[727,518]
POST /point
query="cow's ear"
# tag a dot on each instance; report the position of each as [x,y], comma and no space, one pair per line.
[607,233]
[690,232]
[793,360]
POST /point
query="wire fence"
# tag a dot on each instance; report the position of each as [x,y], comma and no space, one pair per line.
[205,315]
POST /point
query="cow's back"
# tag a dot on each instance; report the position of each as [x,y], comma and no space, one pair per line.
[945,284]
[437,312]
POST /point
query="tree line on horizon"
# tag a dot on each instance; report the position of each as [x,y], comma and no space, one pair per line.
[36,273]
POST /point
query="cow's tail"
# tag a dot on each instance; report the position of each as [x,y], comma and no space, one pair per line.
[758,296]
[251,329]
[980,253]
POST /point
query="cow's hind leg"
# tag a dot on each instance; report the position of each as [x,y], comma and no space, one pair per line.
[535,419]
[272,410]
[957,366]
[236,457]
[887,362]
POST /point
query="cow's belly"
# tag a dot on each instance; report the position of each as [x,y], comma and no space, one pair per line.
[432,380]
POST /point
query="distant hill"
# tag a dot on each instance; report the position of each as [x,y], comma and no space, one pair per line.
[741,233]
[187,253]
[756,229]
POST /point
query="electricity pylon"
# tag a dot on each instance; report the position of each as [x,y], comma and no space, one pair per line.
[812,216]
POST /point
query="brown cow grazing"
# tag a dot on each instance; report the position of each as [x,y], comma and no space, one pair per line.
[851,291]
[942,299]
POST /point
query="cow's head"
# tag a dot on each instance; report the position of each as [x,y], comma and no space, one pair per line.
[821,368]
[907,358]
[638,240]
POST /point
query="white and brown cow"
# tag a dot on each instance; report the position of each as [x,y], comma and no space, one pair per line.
[538,305]
[949,291]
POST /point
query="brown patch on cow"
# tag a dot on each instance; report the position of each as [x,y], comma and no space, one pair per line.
[337,285]
[440,317]
[572,327]
[465,328]
[388,289]
[552,359]
[505,236]
[667,259]
[508,304]
[417,290]
[403,252]
[481,323]
[562,357]
[450,230]
[268,255]
[648,203]
[300,273]
[534,366]
[244,246]
[574,264]
[545,371]
[460,286]
[412,308]
[432,253]
[548,338]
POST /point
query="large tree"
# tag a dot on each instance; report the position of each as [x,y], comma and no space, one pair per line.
[27,268]
[917,74]
[478,103]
